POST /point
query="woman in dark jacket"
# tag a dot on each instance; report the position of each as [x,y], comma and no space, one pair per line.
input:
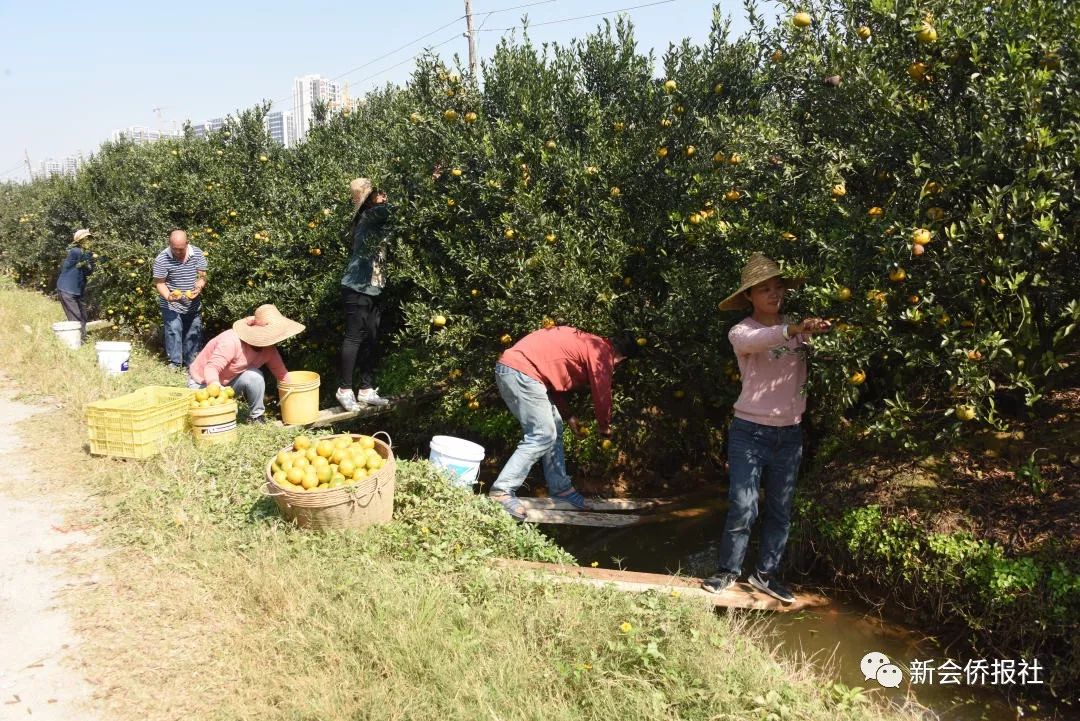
[361,288]
[71,285]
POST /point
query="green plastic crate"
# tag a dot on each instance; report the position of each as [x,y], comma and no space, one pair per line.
[135,425]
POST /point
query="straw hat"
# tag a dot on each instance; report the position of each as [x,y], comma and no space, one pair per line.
[266,328]
[361,188]
[81,235]
[757,270]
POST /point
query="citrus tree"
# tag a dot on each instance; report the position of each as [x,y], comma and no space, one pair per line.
[916,162]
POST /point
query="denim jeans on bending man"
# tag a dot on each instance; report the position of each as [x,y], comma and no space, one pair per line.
[249,385]
[183,335]
[760,455]
[528,401]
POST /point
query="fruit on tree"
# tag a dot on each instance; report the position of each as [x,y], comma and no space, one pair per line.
[802,20]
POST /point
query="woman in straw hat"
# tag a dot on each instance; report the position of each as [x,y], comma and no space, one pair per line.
[361,288]
[765,439]
[71,284]
[233,358]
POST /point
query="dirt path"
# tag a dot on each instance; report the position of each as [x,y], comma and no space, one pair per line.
[38,677]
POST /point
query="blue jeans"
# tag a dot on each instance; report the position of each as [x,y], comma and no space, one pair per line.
[183,336]
[759,455]
[528,401]
[250,385]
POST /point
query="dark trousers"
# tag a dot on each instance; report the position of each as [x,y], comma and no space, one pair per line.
[183,335]
[760,456]
[74,308]
[362,313]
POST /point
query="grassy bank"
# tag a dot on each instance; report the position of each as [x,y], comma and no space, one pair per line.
[211,607]
[979,542]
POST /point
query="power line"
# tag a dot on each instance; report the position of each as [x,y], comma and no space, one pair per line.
[582,17]
[12,169]
[516,7]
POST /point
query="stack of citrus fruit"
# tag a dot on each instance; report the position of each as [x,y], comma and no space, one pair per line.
[212,395]
[315,464]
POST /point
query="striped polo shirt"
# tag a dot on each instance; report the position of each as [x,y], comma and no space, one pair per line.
[179,276]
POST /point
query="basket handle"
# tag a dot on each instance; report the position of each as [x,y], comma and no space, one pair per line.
[384,433]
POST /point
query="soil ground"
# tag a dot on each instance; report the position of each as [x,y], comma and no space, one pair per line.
[39,673]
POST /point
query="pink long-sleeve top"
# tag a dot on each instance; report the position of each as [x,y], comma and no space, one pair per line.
[226,356]
[773,374]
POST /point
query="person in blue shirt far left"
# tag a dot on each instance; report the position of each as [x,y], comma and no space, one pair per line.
[71,285]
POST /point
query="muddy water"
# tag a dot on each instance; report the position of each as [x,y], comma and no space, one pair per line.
[836,637]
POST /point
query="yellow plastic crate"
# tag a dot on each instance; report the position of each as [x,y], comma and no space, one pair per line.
[134,425]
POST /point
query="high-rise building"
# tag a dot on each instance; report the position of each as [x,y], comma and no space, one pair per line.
[309,90]
[65,166]
[50,167]
[141,135]
[281,126]
[72,163]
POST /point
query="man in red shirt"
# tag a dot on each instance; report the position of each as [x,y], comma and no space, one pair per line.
[533,377]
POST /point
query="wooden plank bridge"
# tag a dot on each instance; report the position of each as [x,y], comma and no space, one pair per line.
[741,595]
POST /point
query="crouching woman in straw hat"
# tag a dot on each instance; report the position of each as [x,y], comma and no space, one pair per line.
[765,441]
[234,357]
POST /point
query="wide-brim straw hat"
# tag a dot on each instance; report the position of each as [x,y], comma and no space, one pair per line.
[360,188]
[81,235]
[757,270]
[267,327]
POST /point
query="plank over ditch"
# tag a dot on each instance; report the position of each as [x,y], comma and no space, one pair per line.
[330,416]
[741,595]
[599,519]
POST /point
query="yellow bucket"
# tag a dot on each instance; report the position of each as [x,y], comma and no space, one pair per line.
[214,424]
[299,398]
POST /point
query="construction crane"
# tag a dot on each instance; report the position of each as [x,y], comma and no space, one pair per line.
[161,119]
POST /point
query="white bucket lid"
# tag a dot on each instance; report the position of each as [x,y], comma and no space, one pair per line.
[112,345]
[458,447]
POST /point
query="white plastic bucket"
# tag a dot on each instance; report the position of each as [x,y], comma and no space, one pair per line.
[460,457]
[69,332]
[113,356]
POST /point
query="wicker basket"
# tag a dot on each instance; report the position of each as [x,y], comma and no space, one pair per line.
[356,505]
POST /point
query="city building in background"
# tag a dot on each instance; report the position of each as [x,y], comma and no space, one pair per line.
[308,91]
[281,126]
[141,135]
[65,166]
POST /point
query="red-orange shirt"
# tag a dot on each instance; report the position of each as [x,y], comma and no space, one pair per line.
[566,359]
[226,356]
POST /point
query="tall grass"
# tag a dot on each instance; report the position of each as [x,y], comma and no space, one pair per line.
[211,607]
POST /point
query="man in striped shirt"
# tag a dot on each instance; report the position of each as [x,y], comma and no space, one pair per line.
[179,277]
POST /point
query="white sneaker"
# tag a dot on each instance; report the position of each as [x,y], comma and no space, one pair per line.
[371,397]
[346,399]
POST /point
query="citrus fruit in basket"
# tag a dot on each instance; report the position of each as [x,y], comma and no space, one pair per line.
[317,464]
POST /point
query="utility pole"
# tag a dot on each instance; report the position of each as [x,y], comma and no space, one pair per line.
[29,167]
[471,34]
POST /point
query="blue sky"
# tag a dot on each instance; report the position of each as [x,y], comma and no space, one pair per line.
[72,72]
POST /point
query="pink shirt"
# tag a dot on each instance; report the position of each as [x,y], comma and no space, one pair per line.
[773,374]
[226,356]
